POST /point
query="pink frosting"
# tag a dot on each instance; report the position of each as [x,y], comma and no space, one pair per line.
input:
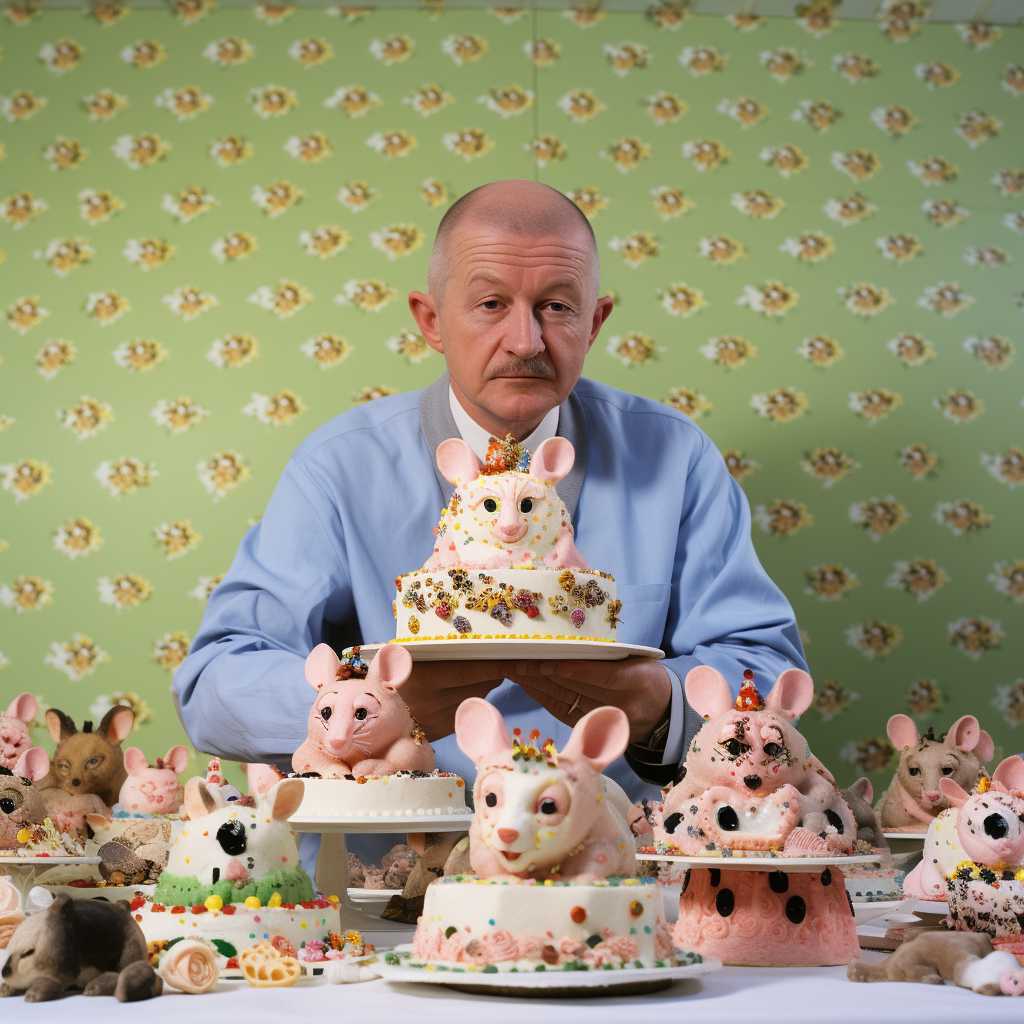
[757,930]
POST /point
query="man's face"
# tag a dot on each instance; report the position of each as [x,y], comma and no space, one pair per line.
[516,319]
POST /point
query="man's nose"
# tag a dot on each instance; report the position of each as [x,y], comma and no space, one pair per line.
[524,337]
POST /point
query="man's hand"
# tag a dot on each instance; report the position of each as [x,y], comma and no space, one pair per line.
[435,689]
[639,686]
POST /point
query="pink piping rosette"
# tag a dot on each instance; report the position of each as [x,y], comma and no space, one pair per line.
[571,949]
[528,947]
[8,925]
[452,949]
[500,946]
[426,945]
[663,944]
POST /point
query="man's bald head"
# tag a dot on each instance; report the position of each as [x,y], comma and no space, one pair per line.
[518,206]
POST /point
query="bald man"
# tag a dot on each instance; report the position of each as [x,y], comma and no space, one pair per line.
[513,304]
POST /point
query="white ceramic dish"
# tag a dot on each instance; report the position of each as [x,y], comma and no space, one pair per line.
[792,864]
[526,650]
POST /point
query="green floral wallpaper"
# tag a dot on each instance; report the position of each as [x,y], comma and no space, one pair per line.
[212,217]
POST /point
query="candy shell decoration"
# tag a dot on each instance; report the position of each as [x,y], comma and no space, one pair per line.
[264,967]
[578,617]
[189,966]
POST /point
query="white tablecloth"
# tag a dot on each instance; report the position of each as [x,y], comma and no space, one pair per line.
[733,995]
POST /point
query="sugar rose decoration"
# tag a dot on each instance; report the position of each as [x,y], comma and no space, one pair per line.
[190,966]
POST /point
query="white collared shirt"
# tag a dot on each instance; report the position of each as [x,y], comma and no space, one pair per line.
[479,439]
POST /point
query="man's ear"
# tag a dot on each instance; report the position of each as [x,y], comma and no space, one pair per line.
[425,312]
[602,311]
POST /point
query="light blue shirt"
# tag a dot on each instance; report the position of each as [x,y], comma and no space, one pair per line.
[356,506]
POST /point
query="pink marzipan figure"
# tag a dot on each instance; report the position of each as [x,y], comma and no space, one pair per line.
[153,789]
[510,519]
[990,823]
[14,734]
[542,813]
[750,782]
[361,726]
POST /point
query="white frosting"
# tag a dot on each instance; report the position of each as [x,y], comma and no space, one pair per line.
[942,844]
[421,594]
[389,796]
[988,970]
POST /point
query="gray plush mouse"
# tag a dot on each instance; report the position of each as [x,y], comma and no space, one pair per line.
[91,945]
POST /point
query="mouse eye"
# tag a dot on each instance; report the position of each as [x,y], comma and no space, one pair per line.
[526,505]
[92,762]
[914,771]
[946,770]
[231,836]
[548,806]
[360,714]
[325,713]
[10,800]
[490,504]
[491,799]
[772,749]
[734,748]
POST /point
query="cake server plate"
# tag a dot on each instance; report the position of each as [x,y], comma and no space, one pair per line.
[626,981]
[394,823]
[527,650]
[795,865]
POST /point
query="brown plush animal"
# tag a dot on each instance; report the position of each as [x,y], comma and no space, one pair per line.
[436,851]
[21,803]
[932,958]
[914,797]
[88,944]
[859,797]
[90,761]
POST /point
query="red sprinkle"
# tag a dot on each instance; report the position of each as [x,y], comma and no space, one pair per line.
[199,908]
[159,908]
[228,908]
[177,910]
[233,963]
[139,901]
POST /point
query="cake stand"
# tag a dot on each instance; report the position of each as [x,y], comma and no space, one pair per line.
[505,648]
[23,871]
[332,863]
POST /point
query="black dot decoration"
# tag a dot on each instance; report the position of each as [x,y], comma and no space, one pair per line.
[231,836]
[725,902]
[796,909]
[716,877]
[672,822]
[826,877]
[728,820]
[778,882]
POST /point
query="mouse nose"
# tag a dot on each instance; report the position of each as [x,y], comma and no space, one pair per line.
[508,835]
[752,781]
[76,782]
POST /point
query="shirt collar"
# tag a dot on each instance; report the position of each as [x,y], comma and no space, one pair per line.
[478,439]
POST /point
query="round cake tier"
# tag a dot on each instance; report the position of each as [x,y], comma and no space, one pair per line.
[767,918]
[532,604]
[402,795]
[234,928]
[522,925]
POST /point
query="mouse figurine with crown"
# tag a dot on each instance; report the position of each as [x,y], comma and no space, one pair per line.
[750,788]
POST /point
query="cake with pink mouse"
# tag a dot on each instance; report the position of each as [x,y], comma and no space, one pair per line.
[554,883]
[504,563]
[750,787]
[364,754]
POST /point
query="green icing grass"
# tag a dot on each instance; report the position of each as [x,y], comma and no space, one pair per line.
[294,886]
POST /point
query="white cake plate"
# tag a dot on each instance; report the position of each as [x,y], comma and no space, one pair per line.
[23,871]
[501,648]
[871,911]
[332,863]
[793,865]
[915,836]
[627,980]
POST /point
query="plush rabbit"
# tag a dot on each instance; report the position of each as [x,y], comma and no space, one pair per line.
[510,519]
[21,802]
[90,761]
[749,781]
[14,734]
[914,796]
[541,813]
[152,789]
[361,726]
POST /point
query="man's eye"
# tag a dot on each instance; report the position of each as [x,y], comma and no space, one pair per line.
[526,505]
[915,771]
[325,713]
[557,307]
[734,748]
[360,714]
[491,304]
[772,749]
[490,505]
[491,799]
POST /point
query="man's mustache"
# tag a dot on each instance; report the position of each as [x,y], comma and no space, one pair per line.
[533,367]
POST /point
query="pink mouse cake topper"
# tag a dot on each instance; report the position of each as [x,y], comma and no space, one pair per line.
[21,803]
[543,813]
[15,738]
[915,795]
[749,782]
[153,789]
[361,726]
[505,513]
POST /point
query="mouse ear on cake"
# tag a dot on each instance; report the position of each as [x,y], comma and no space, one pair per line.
[177,759]
[200,799]
[986,748]
[1010,773]
[23,708]
[283,800]
[792,693]
[391,666]
[863,788]
[321,666]
[457,461]
[481,734]
[598,738]
[135,762]
[901,731]
[707,692]
[955,794]
[34,764]
[552,460]
[964,733]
